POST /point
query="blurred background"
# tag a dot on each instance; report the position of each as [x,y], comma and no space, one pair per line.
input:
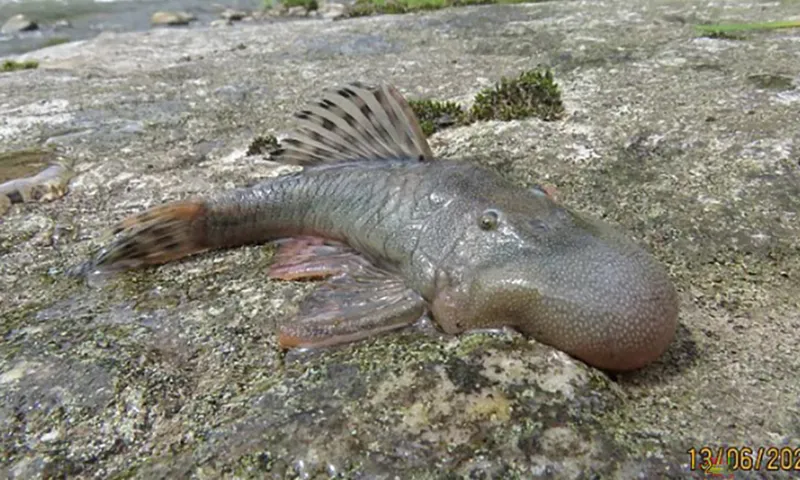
[50,22]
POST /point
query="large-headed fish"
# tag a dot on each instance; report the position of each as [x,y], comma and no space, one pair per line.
[397,234]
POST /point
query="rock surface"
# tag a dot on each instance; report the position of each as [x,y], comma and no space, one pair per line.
[691,144]
[233,14]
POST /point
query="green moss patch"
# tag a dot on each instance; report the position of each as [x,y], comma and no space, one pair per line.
[363,8]
[534,93]
[308,5]
[13,65]
[53,41]
[734,30]
[434,115]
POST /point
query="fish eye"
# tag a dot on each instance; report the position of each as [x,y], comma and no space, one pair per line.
[489,220]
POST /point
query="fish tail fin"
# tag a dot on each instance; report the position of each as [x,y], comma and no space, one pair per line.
[355,122]
[159,235]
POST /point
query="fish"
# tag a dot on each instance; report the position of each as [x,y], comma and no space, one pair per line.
[393,234]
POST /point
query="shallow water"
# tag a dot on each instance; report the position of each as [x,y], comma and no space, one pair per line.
[88,18]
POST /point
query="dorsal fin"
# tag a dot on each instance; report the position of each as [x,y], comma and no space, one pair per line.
[355,122]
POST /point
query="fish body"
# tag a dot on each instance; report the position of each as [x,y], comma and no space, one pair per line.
[396,234]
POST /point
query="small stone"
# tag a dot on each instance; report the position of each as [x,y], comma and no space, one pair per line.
[332,11]
[221,23]
[172,18]
[50,436]
[15,373]
[233,15]
[63,23]
[297,12]
[18,23]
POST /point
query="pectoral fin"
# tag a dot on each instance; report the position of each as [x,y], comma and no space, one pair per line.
[314,258]
[350,307]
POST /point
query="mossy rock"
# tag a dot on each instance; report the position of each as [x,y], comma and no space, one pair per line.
[13,65]
[53,41]
[434,115]
[363,8]
[533,93]
[308,5]
[261,145]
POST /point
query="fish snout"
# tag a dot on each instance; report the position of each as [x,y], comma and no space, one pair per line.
[585,289]
[614,308]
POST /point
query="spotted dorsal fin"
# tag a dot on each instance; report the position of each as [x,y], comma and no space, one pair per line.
[355,122]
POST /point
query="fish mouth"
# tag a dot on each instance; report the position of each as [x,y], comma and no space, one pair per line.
[613,308]
[610,305]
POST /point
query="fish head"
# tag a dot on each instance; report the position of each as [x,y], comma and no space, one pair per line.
[564,279]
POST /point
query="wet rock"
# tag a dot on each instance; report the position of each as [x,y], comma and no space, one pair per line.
[233,15]
[18,23]
[172,18]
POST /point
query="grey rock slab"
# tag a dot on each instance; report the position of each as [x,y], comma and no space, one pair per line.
[18,23]
[690,144]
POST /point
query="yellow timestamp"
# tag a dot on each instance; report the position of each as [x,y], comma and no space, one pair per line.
[732,459]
